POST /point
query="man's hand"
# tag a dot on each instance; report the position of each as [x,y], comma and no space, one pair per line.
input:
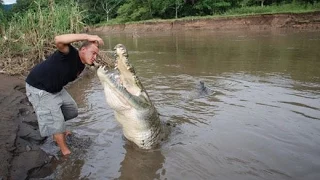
[63,40]
[96,39]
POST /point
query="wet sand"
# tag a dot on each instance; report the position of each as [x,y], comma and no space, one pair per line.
[20,141]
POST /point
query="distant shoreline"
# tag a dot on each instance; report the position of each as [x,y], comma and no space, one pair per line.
[263,22]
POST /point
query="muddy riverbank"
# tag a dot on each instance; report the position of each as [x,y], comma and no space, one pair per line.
[303,21]
[20,140]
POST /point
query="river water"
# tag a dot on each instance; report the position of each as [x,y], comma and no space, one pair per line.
[261,122]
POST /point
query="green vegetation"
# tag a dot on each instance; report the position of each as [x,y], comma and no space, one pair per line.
[2,18]
[120,11]
[282,8]
[28,37]
[240,11]
[28,28]
[123,11]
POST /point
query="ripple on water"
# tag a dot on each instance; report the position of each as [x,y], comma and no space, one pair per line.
[260,122]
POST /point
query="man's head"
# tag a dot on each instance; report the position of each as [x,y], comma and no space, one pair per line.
[88,52]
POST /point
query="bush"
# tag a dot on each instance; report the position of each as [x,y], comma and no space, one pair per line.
[28,39]
[293,7]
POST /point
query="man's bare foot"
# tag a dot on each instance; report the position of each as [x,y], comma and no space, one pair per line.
[61,141]
[65,151]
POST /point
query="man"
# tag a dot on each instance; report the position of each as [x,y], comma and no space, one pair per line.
[44,85]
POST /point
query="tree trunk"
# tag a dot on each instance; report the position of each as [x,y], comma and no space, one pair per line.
[176,11]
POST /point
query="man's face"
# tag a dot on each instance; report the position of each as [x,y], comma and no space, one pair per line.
[89,54]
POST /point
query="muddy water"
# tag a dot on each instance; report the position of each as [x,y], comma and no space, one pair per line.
[261,122]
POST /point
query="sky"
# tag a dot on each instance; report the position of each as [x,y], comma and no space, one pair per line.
[9,1]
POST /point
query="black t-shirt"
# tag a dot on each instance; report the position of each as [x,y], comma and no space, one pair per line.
[58,70]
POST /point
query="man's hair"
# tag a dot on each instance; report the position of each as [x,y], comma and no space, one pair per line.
[87,43]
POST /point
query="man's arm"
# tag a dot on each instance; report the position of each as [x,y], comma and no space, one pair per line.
[62,41]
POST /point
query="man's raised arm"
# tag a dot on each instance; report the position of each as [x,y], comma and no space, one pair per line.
[63,40]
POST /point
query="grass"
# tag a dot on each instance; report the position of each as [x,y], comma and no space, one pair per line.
[274,9]
[236,12]
[28,38]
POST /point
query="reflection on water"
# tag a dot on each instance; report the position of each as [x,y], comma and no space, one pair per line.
[139,164]
[260,122]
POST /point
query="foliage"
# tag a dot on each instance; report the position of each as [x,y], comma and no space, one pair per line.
[3,19]
[99,10]
[32,5]
[274,9]
[29,35]
[119,11]
[213,6]
[134,10]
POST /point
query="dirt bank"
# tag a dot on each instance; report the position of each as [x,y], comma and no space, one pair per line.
[20,153]
[304,21]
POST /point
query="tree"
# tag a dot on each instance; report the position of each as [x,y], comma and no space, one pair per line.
[167,8]
[109,5]
[99,10]
[134,10]
[25,5]
[1,5]
[2,19]
[178,5]
[215,6]
[22,6]
[261,2]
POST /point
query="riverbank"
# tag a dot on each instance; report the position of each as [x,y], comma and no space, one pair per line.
[22,154]
[266,22]
[20,140]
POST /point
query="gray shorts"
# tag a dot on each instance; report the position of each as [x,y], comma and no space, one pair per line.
[52,110]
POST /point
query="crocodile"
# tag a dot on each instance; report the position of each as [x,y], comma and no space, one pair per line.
[130,101]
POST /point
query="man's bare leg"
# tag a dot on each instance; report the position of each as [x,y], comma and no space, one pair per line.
[67,133]
[61,141]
